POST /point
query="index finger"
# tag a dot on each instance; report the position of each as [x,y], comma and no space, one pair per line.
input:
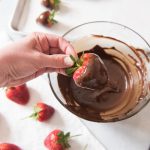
[62,44]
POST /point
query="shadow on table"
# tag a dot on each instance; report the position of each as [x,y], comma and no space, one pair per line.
[76,145]
[59,27]
[4,129]
[56,121]
[35,97]
[64,8]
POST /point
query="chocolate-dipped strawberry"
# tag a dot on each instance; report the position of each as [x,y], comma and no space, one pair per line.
[88,71]
[52,4]
[46,18]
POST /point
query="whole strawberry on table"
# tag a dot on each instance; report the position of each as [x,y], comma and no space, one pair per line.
[18,94]
[42,112]
[57,140]
[47,18]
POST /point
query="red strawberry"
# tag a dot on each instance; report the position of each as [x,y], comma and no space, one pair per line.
[42,112]
[52,4]
[88,71]
[8,146]
[18,94]
[57,140]
[46,18]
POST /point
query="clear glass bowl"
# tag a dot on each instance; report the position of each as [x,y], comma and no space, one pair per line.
[109,29]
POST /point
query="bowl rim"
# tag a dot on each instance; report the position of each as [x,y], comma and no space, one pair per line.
[101,121]
[109,22]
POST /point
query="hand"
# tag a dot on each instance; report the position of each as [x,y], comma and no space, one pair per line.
[32,56]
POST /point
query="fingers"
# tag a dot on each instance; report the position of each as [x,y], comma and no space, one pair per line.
[66,47]
[56,51]
[47,41]
[55,61]
[41,42]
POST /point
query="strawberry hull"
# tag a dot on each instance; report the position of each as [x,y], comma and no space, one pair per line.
[92,73]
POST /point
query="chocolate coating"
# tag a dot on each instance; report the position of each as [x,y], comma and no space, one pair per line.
[43,19]
[51,4]
[95,74]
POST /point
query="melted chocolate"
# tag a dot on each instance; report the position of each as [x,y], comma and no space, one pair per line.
[95,100]
[104,104]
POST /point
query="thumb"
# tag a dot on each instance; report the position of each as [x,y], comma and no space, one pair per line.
[56,61]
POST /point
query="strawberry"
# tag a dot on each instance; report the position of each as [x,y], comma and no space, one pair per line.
[42,112]
[8,146]
[57,140]
[18,94]
[52,4]
[46,18]
[88,71]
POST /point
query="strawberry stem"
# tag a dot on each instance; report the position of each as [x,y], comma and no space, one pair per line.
[77,63]
[75,136]
[73,59]
[35,113]
[51,16]
[63,139]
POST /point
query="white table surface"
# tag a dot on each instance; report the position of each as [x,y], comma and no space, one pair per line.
[133,133]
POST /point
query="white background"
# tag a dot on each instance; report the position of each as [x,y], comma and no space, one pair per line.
[131,134]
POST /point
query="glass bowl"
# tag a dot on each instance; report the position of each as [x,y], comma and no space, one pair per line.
[115,31]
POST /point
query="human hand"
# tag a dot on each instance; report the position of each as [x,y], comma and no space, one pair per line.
[32,56]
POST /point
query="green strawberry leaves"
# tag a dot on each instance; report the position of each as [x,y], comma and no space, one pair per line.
[77,63]
[35,115]
[70,71]
[56,2]
[63,139]
[51,17]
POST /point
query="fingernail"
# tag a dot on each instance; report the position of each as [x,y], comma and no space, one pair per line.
[68,61]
